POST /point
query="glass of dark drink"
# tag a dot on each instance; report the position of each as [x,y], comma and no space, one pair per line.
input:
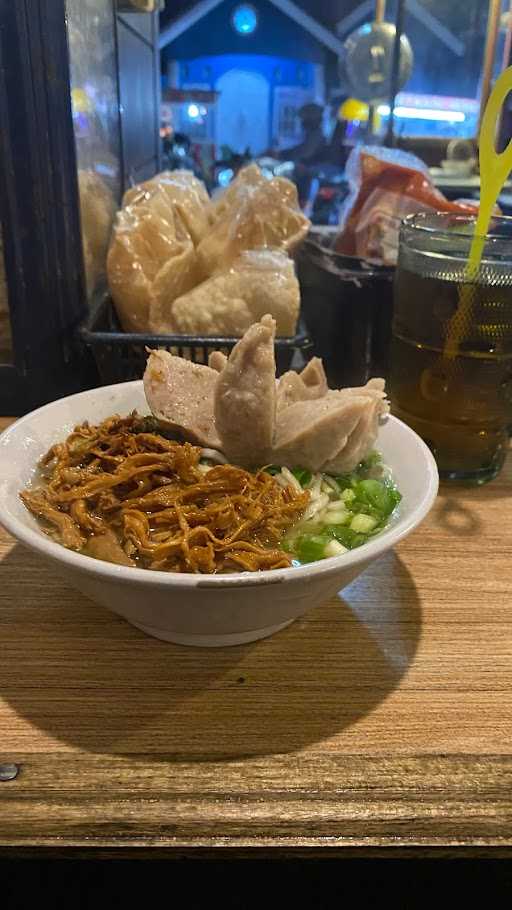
[451,351]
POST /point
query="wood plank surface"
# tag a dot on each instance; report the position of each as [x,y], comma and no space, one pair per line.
[382,719]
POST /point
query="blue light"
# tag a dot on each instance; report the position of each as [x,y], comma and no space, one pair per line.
[225,176]
[245,19]
[423,113]
[193,111]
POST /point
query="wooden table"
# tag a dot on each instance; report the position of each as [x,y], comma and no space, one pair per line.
[381,722]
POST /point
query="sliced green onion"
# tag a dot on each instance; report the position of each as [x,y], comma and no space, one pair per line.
[334,548]
[381,496]
[359,511]
[371,460]
[310,547]
[363,523]
[302,475]
[344,481]
[348,537]
[338,516]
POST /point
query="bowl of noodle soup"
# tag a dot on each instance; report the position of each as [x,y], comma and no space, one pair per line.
[227,607]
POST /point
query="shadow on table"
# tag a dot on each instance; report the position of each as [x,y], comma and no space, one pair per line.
[87,678]
[458,507]
[457,517]
[499,488]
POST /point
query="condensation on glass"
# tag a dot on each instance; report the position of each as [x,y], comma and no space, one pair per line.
[95,106]
[5,321]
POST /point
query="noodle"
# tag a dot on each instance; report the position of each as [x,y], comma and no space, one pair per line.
[120,493]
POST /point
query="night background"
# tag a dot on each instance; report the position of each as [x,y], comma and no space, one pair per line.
[263,77]
[437,71]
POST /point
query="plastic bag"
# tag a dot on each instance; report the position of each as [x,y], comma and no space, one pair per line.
[228,200]
[169,240]
[184,192]
[385,186]
[267,214]
[152,259]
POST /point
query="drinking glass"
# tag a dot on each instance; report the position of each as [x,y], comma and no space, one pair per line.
[451,378]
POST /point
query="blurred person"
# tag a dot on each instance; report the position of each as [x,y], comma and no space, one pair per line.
[310,152]
[313,147]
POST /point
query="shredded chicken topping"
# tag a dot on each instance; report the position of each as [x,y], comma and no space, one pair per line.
[127,495]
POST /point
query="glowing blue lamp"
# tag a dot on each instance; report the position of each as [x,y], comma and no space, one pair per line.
[245,19]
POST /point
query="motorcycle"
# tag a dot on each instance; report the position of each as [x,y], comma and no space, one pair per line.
[322,188]
[329,193]
[177,155]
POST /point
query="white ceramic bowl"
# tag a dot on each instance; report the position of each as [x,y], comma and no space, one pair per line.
[198,609]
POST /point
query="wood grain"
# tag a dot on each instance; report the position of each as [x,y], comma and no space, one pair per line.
[383,719]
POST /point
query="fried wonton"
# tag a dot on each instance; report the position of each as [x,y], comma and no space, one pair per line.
[228,199]
[183,191]
[258,282]
[151,259]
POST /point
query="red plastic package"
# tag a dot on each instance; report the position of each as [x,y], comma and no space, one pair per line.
[385,186]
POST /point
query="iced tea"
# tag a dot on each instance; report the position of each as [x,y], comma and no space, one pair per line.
[460,405]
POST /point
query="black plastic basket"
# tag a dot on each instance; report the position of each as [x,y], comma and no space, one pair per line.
[121,356]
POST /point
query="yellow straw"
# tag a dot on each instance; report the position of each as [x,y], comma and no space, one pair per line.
[494,169]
